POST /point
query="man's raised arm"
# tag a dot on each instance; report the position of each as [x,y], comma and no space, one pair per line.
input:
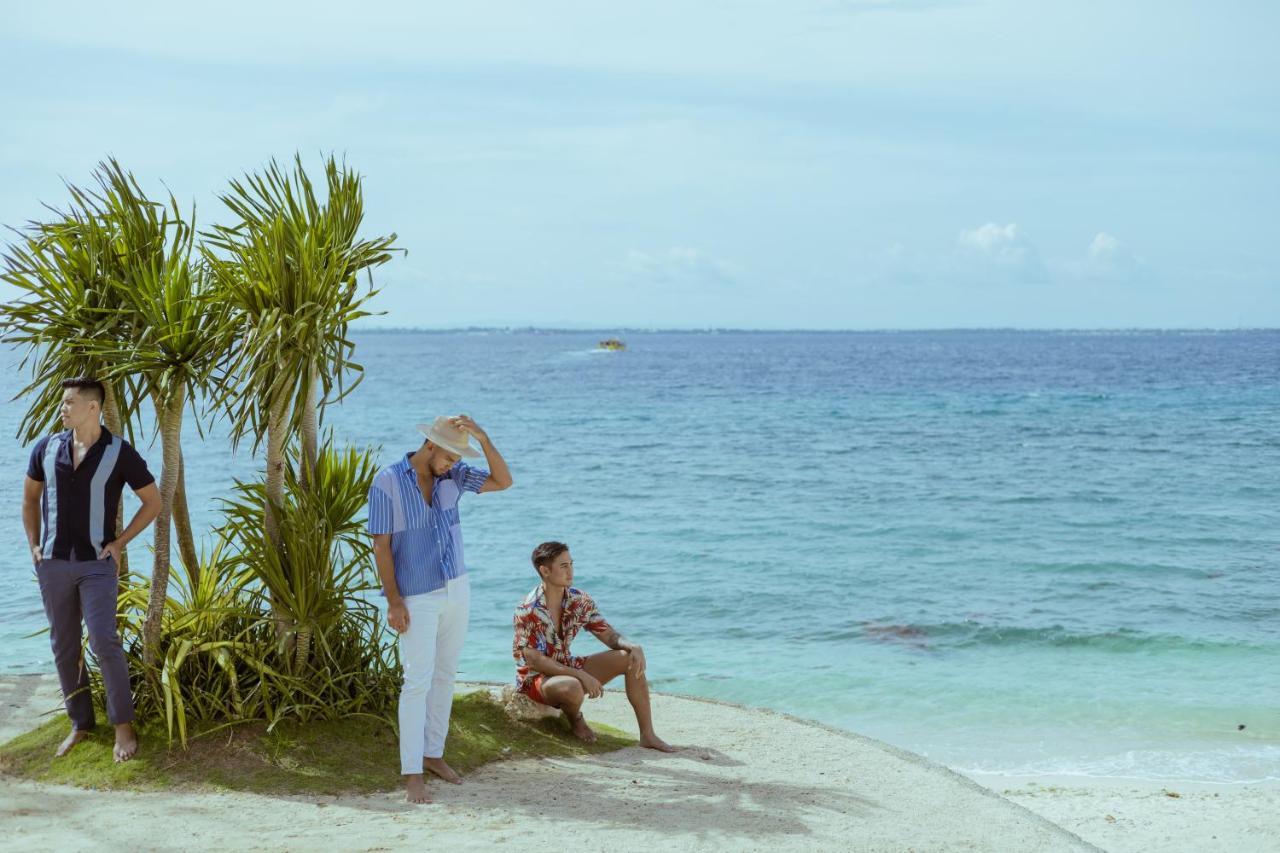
[499,475]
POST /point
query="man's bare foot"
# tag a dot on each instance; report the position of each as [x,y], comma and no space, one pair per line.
[415,789]
[72,739]
[444,771]
[126,743]
[655,742]
[581,730]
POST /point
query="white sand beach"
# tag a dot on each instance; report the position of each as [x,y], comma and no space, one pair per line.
[1138,816]
[749,780]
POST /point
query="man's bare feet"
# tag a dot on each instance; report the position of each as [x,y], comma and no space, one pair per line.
[655,742]
[444,771]
[72,739]
[415,789]
[581,730]
[126,743]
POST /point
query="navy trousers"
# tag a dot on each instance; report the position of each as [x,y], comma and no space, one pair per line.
[86,591]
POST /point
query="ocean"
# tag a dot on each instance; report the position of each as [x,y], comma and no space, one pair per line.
[1012,552]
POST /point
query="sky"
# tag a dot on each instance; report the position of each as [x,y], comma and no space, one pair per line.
[834,164]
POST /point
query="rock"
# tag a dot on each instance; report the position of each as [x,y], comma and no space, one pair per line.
[521,707]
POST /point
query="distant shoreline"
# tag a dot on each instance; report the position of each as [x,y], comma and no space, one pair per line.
[979,330]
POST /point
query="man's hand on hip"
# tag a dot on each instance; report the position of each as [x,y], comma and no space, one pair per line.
[112,550]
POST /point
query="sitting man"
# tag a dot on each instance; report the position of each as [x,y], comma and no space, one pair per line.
[545,625]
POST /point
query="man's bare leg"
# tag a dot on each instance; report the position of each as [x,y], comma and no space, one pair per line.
[439,768]
[126,743]
[565,692]
[638,696]
[72,739]
[415,789]
[606,666]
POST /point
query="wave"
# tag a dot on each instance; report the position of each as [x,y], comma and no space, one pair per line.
[967,635]
[1252,764]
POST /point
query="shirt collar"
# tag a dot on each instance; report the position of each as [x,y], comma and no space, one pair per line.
[538,597]
[405,468]
[102,441]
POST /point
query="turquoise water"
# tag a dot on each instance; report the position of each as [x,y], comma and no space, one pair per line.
[1009,551]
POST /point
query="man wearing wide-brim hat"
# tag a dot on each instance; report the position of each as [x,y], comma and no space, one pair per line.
[417,545]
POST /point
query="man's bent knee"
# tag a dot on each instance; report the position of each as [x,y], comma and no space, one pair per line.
[566,691]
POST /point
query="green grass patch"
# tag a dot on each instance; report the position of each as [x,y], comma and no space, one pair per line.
[353,756]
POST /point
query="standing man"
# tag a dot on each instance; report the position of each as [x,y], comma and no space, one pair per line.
[417,546]
[69,504]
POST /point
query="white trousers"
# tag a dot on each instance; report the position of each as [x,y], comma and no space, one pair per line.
[429,653]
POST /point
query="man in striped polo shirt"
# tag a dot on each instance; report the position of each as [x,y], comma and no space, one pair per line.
[417,546]
[73,487]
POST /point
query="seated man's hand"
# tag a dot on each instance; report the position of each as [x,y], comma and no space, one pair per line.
[635,666]
[594,689]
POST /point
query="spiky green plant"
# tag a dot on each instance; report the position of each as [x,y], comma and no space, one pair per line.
[289,266]
[321,557]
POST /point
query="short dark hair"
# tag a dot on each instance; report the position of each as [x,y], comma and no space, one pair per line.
[86,384]
[546,553]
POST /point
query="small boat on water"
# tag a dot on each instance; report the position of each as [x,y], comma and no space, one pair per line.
[612,344]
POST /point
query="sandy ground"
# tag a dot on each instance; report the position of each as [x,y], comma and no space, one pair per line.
[1132,816]
[748,780]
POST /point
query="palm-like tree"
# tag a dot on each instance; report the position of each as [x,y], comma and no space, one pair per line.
[289,268]
[178,334]
[67,316]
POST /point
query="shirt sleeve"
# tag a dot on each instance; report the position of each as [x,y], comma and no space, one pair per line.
[35,468]
[381,514]
[591,618]
[133,468]
[468,479]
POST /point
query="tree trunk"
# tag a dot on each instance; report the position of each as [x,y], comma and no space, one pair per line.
[303,649]
[170,415]
[310,430]
[182,524]
[277,428]
[111,416]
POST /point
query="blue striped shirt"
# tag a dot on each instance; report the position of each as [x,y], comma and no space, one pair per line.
[426,541]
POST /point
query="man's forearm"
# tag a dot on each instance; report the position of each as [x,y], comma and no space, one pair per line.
[497,465]
[31,522]
[386,572]
[539,662]
[616,641]
[140,521]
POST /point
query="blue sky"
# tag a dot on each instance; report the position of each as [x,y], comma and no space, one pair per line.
[827,164]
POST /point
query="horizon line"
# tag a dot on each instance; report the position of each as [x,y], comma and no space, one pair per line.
[798,329]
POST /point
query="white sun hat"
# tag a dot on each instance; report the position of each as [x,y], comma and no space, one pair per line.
[442,433]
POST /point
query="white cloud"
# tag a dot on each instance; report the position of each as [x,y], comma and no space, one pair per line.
[1002,251]
[678,265]
[1111,259]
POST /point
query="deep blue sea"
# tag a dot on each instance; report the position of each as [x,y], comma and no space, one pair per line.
[1023,552]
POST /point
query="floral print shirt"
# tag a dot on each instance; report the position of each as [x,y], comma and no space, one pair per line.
[534,629]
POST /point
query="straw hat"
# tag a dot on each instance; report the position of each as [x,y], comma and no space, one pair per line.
[442,433]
